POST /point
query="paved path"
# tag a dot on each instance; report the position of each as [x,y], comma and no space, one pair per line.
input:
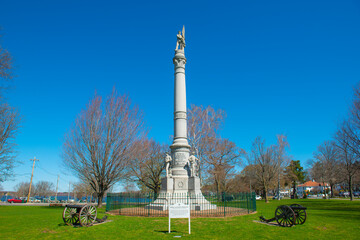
[23,204]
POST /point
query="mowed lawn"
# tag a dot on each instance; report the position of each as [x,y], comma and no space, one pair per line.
[327,219]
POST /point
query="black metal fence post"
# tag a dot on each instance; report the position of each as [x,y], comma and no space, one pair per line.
[247,202]
[224,199]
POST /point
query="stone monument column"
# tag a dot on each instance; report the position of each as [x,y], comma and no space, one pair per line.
[182,182]
[180,148]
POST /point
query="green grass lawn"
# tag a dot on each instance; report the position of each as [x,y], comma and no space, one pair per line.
[327,219]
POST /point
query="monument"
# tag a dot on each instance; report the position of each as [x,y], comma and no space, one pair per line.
[182,169]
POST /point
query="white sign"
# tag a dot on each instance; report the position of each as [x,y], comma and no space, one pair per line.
[179,210]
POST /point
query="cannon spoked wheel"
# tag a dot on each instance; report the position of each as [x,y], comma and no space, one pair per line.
[87,215]
[285,216]
[70,216]
[300,213]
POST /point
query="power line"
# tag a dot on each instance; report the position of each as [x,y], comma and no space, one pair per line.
[46,171]
[22,174]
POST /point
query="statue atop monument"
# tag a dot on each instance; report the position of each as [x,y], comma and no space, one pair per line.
[180,40]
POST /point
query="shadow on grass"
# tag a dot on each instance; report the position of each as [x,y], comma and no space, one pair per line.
[166,231]
[63,225]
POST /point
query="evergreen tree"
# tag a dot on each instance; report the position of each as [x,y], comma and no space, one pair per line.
[295,174]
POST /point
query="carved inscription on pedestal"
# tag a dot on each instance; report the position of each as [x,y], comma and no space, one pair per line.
[180,158]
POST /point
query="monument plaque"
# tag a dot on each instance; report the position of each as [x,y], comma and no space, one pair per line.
[179,210]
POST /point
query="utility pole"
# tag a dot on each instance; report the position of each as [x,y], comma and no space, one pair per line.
[278,196]
[57,185]
[69,192]
[32,173]
[278,187]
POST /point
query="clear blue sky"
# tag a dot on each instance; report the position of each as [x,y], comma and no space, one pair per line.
[274,67]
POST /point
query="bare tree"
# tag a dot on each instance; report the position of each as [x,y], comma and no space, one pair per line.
[147,164]
[239,183]
[131,187]
[22,189]
[82,189]
[44,189]
[266,163]
[98,147]
[9,120]
[203,125]
[221,156]
[282,158]
[327,169]
[9,124]
[349,160]
[350,128]
[250,179]
[6,64]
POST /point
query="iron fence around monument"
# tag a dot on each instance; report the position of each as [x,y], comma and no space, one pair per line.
[202,205]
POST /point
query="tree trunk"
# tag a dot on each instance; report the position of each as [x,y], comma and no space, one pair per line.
[218,190]
[100,198]
[331,189]
[350,188]
[265,195]
[294,190]
[155,192]
[324,189]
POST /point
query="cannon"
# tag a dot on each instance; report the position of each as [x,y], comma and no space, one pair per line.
[84,215]
[287,216]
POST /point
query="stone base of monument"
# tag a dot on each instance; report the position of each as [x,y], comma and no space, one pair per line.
[181,190]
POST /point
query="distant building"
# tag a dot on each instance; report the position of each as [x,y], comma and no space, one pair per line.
[312,187]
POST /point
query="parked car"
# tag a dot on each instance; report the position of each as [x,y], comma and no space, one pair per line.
[356,194]
[34,200]
[15,200]
[276,197]
[344,194]
[258,197]
[71,200]
[50,200]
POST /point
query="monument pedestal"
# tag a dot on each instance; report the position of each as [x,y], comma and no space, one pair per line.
[181,190]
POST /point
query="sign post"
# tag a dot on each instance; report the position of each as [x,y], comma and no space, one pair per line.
[179,210]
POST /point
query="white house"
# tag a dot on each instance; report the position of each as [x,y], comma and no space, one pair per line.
[312,187]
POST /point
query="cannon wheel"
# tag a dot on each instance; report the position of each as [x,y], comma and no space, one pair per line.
[300,214]
[87,215]
[70,216]
[285,216]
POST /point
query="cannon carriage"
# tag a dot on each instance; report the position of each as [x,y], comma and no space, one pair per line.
[84,215]
[287,216]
